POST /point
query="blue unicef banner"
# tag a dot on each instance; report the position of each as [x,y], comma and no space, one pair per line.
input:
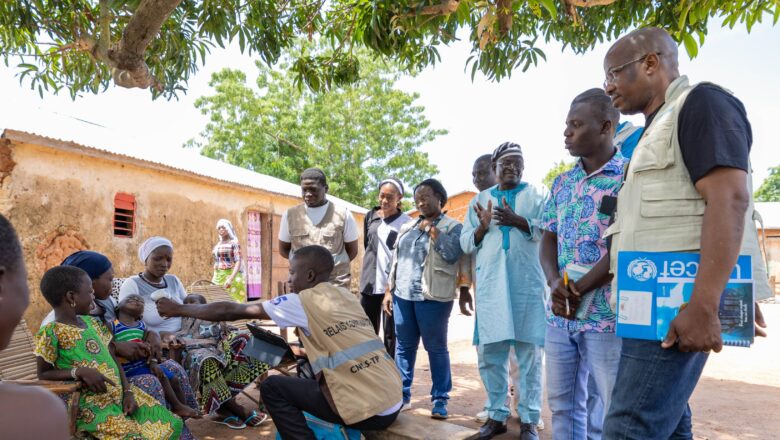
[654,286]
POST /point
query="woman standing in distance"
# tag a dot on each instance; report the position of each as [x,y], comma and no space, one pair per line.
[227,262]
[380,232]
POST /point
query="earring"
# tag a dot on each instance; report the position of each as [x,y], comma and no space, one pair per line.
[73,305]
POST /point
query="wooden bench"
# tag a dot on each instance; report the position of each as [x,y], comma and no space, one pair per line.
[421,427]
[18,365]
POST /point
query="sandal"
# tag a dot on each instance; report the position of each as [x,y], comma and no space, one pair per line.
[231,422]
[255,416]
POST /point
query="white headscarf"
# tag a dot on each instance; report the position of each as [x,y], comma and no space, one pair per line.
[150,245]
[229,227]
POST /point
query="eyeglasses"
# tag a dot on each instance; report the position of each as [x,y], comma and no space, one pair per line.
[515,165]
[613,71]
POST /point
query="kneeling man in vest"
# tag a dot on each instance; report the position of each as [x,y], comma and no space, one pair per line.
[358,384]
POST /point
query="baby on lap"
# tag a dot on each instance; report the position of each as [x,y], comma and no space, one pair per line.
[128,327]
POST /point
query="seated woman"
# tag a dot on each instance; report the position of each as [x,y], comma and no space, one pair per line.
[422,287]
[76,346]
[18,402]
[218,383]
[101,272]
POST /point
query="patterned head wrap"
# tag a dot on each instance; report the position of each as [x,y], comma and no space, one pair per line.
[506,149]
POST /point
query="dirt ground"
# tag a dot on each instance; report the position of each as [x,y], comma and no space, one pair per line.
[738,397]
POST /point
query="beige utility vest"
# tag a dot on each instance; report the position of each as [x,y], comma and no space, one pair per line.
[361,377]
[328,233]
[659,208]
[439,278]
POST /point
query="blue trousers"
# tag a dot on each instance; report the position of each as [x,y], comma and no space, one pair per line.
[650,399]
[571,359]
[493,359]
[426,320]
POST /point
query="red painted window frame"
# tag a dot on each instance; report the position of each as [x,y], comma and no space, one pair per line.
[124,202]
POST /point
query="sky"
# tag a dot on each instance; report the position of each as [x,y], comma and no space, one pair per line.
[529,108]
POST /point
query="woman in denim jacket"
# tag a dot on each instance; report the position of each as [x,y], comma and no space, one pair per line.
[421,291]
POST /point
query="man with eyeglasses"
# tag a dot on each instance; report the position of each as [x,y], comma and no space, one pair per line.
[687,189]
[501,231]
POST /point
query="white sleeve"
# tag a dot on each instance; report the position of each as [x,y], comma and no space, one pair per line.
[180,290]
[350,228]
[287,311]
[284,231]
[49,318]
[129,287]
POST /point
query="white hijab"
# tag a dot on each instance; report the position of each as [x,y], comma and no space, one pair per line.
[150,245]
[229,227]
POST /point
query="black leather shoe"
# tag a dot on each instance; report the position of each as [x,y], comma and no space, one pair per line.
[491,428]
[528,432]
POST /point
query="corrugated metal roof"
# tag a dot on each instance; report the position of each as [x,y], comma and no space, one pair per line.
[770,214]
[182,160]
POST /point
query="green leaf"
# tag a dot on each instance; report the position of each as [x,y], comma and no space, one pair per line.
[684,17]
[550,6]
[690,45]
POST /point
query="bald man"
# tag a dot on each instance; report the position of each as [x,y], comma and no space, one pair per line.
[687,189]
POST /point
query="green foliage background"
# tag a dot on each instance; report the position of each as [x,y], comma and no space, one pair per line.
[769,191]
[51,42]
[358,134]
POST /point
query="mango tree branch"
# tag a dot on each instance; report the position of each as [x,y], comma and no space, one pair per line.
[446,7]
[104,37]
[571,6]
[589,3]
[126,59]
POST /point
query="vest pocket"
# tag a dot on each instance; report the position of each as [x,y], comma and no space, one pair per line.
[444,280]
[299,238]
[676,238]
[655,152]
[328,238]
[670,199]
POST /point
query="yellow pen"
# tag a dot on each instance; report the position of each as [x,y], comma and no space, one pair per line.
[566,282]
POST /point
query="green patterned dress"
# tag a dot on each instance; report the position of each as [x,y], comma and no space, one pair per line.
[100,415]
[226,256]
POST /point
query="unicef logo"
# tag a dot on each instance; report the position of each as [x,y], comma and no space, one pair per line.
[642,269]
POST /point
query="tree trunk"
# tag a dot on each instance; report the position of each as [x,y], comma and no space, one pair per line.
[126,58]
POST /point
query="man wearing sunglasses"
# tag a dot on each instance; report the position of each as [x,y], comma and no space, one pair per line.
[687,189]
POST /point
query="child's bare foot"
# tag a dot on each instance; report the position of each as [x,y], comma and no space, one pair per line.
[185,411]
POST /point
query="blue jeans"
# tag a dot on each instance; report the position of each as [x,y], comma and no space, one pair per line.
[571,359]
[493,359]
[650,399]
[427,320]
[596,411]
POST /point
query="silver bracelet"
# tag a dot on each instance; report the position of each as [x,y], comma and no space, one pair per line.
[73,373]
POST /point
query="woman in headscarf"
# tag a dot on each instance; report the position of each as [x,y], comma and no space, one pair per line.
[380,231]
[101,271]
[227,262]
[422,289]
[218,380]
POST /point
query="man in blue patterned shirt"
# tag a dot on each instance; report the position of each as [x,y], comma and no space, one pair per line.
[580,338]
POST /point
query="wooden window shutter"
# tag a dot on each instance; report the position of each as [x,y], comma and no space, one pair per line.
[124,215]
